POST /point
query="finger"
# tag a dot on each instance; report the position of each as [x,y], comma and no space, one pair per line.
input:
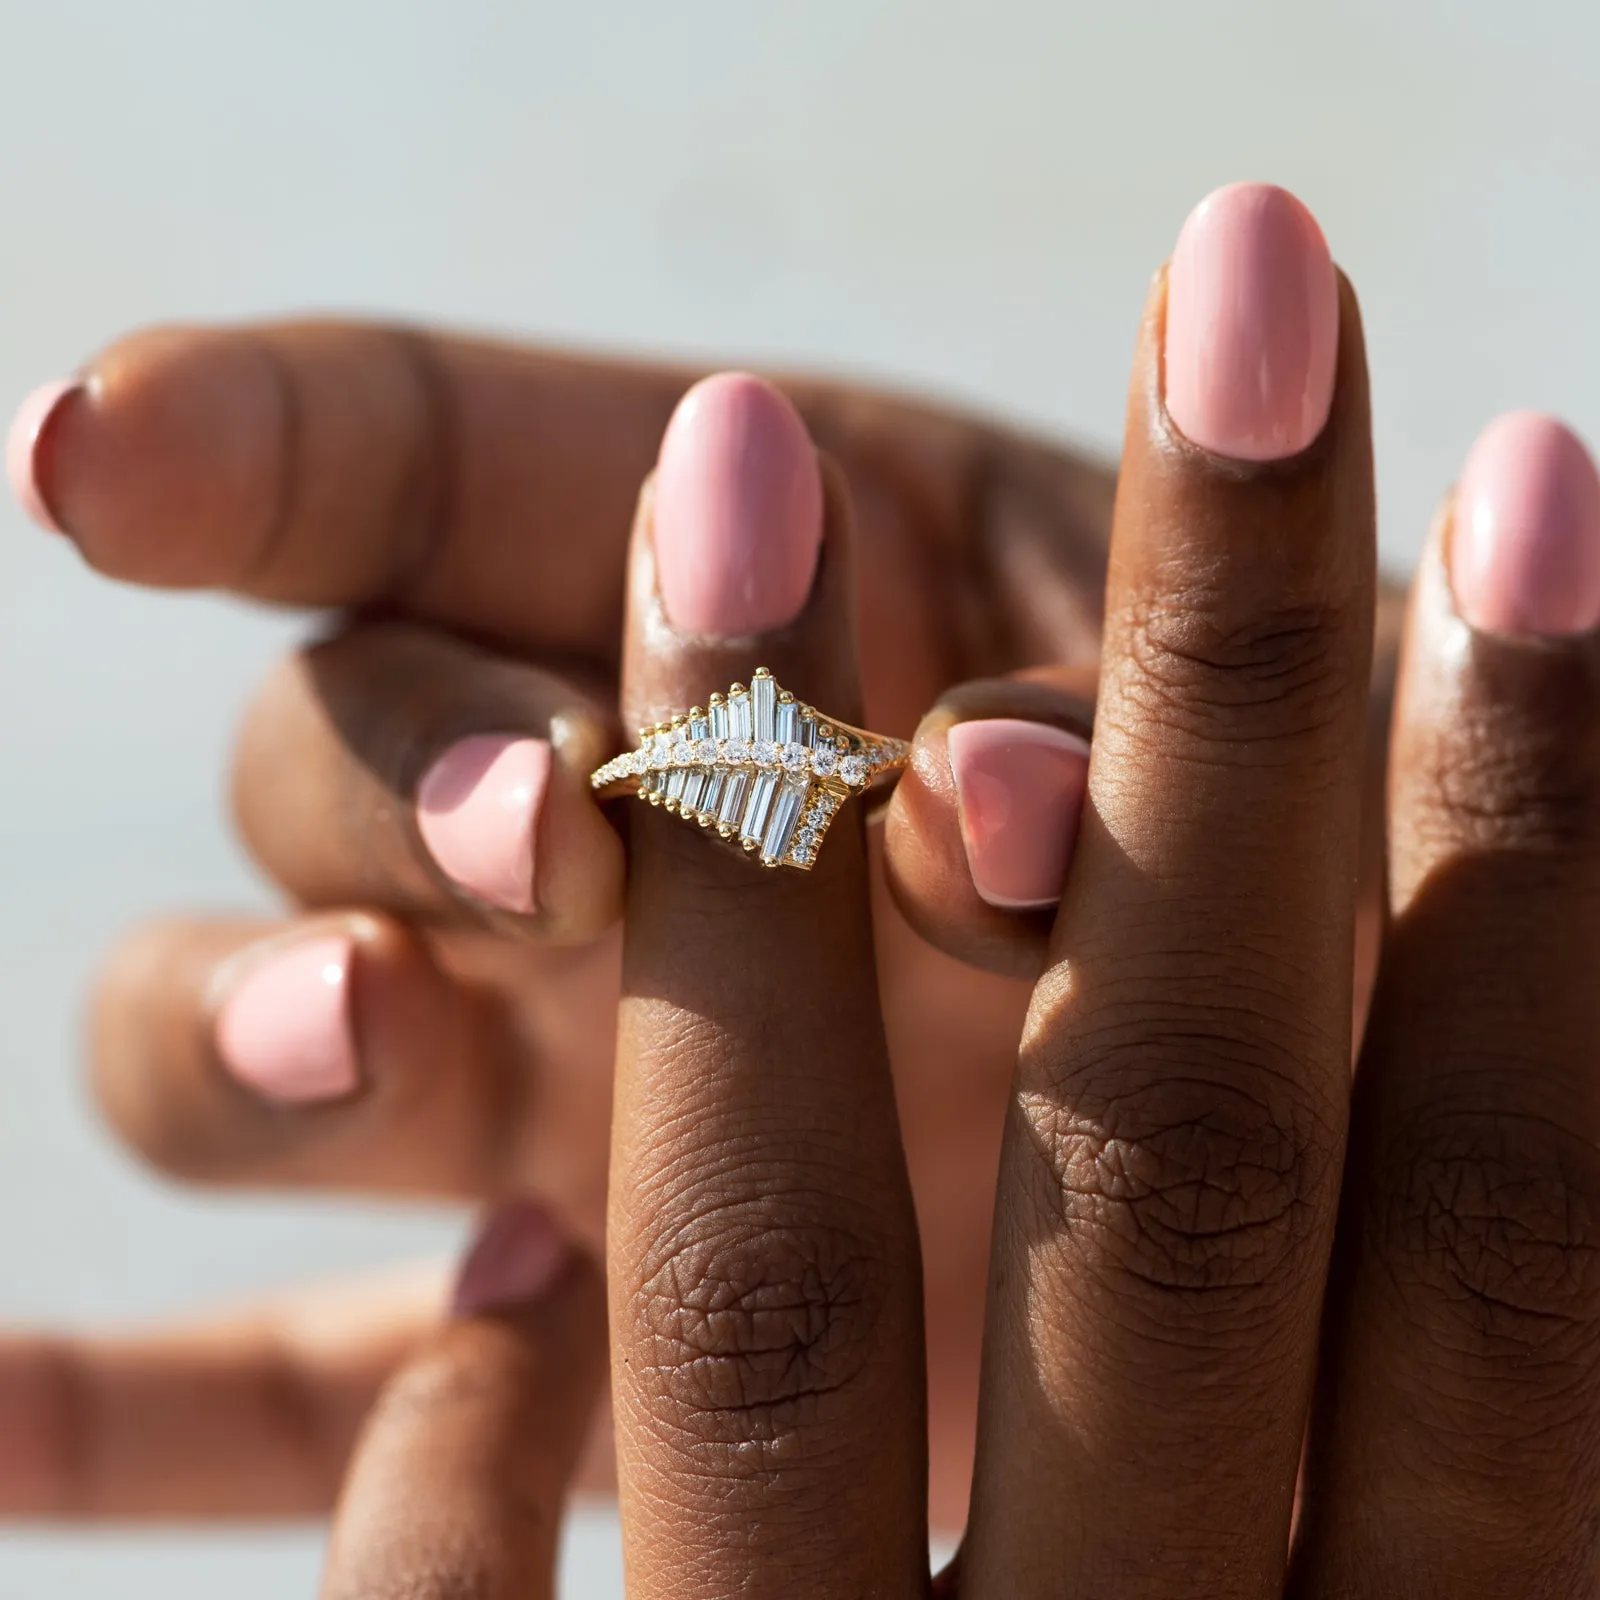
[403,769]
[249,1413]
[979,834]
[981,829]
[330,1052]
[1457,1436]
[766,1339]
[1171,1159]
[488,487]
[458,1484]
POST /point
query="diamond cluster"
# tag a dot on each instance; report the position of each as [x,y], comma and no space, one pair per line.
[757,766]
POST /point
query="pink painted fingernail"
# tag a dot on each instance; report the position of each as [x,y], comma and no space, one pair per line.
[1252,338]
[478,812]
[515,1259]
[738,509]
[27,450]
[1525,537]
[1019,789]
[284,1030]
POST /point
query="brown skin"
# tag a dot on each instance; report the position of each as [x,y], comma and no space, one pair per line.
[1175,1152]
[468,503]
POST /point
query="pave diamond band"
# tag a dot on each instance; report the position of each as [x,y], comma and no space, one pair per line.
[756,765]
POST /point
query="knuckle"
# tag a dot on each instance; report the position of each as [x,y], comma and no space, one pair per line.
[1187,1163]
[748,1333]
[1201,663]
[1489,1225]
[1537,794]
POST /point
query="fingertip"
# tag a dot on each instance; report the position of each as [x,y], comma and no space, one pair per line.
[160,464]
[981,828]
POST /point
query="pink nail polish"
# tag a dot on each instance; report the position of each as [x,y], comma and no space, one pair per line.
[284,1030]
[1525,535]
[517,1256]
[27,445]
[478,812]
[1019,789]
[1252,339]
[738,509]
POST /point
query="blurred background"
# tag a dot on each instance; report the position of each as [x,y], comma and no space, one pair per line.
[966,198]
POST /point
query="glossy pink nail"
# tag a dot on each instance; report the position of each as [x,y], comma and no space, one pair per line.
[1252,338]
[284,1029]
[478,811]
[1019,790]
[1525,535]
[26,447]
[738,509]
[516,1259]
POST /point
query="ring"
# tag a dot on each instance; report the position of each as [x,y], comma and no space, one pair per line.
[758,766]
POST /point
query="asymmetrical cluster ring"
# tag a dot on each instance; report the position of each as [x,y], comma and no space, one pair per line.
[757,765]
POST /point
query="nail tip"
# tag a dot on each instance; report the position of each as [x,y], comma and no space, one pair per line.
[1252,325]
[516,1257]
[738,509]
[1524,547]
[477,811]
[25,441]
[285,1030]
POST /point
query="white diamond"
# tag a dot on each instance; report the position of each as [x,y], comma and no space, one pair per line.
[730,804]
[764,706]
[638,762]
[764,753]
[660,748]
[682,756]
[824,761]
[739,715]
[788,722]
[781,822]
[757,807]
[795,757]
[736,751]
[807,840]
[854,771]
[801,856]
[705,752]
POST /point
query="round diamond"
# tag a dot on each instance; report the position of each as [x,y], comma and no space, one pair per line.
[807,840]
[795,757]
[705,752]
[764,753]
[825,761]
[660,747]
[736,751]
[681,755]
[853,769]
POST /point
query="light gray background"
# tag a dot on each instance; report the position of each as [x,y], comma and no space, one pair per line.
[968,197]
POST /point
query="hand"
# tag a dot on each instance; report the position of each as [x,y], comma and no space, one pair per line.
[309,464]
[300,464]
[1176,1149]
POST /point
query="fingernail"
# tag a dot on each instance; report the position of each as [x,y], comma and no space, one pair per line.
[284,1029]
[515,1259]
[1252,338]
[478,812]
[738,509]
[1019,790]
[28,447]
[1525,535]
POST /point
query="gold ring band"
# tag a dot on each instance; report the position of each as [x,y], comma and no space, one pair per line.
[758,766]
